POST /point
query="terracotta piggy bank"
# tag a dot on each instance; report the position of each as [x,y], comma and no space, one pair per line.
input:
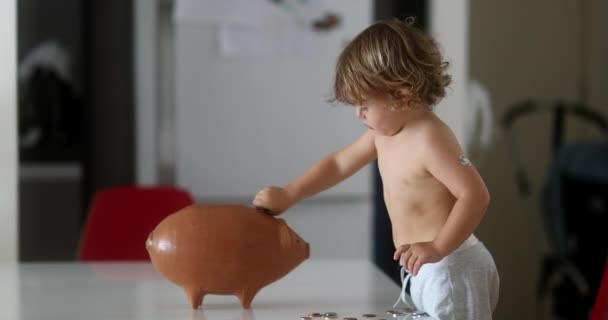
[224,249]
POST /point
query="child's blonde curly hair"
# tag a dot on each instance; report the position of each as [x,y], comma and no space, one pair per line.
[393,60]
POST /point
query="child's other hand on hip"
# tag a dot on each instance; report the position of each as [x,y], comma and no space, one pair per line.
[413,256]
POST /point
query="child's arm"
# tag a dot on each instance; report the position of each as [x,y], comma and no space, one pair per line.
[442,156]
[326,173]
[444,162]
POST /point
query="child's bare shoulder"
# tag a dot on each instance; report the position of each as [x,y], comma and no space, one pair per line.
[433,133]
[430,126]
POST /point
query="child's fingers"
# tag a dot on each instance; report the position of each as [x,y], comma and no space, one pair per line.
[264,210]
[400,251]
[410,264]
[258,201]
[261,204]
[261,193]
[417,266]
[405,257]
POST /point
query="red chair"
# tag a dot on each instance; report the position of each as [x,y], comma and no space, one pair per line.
[121,218]
[600,310]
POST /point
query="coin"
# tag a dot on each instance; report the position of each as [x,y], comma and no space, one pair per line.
[330,315]
[419,314]
[315,315]
[350,318]
[305,318]
[395,313]
[369,315]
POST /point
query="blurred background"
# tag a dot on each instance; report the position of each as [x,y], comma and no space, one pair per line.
[217,99]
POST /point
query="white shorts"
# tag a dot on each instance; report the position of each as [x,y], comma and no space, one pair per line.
[462,286]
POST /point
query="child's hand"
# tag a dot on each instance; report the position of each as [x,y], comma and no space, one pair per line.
[414,256]
[273,200]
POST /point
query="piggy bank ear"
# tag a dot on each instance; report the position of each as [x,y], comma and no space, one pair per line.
[284,234]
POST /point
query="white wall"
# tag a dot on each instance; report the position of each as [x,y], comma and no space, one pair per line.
[8,139]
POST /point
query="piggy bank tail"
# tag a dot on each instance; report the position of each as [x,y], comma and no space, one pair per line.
[149,243]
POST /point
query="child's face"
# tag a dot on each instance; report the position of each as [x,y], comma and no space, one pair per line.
[376,115]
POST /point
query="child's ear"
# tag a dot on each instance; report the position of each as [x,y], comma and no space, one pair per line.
[400,94]
[406,99]
[402,98]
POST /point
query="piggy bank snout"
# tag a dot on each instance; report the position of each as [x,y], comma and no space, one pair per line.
[303,248]
[306,250]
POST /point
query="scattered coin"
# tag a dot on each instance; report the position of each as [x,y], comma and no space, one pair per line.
[417,315]
[330,315]
[394,313]
[400,312]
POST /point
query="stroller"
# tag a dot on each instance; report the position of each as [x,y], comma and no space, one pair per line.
[574,206]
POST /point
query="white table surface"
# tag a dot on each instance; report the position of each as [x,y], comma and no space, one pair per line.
[109,291]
